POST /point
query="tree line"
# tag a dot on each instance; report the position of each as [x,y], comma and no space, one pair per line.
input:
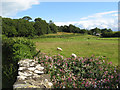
[23,27]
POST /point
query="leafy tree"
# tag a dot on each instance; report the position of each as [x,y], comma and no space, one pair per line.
[8,27]
[25,28]
[27,18]
[9,31]
[107,34]
[60,28]
[83,31]
[89,32]
[77,30]
[53,27]
[109,30]
[95,31]
[71,28]
[41,27]
[38,29]
[38,19]
[106,30]
[48,30]
[51,22]
[116,34]
[65,28]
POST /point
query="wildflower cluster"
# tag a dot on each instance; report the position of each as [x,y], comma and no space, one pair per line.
[80,72]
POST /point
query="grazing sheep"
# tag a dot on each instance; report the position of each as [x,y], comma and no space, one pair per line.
[73,55]
[58,48]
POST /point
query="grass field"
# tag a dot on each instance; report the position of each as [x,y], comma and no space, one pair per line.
[81,45]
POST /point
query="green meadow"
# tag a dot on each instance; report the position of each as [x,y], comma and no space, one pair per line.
[81,45]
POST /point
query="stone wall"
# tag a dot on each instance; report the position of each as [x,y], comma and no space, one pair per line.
[31,75]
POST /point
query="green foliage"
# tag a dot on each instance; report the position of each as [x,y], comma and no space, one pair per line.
[17,27]
[73,29]
[107,34]
[13,50]
[9,31]
[24,28]
[9,73]
[14,47]
[95,31]
[27,18]
[53,28]
[116,34]
[111,34]
[41,27]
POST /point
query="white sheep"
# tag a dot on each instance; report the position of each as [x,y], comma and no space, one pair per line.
[58,48]
[74,55]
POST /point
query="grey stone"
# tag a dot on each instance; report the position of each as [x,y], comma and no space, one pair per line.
[31,75]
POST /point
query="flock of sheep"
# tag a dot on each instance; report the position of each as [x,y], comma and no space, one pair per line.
[73,55]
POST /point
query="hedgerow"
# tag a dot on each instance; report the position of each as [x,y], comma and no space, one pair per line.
[13,50]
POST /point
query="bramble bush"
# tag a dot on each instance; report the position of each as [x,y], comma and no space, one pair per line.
[13,50]
[80,72]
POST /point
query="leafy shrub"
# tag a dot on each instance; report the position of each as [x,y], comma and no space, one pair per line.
[13,50]
[80,72]
[116,34]
[111,34]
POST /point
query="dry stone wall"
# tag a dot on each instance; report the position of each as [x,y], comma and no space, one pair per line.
[31,75]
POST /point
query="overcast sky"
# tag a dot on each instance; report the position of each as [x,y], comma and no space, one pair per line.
[82,14]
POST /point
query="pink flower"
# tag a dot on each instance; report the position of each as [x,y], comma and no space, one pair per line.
[91,60]
[110,63]
[90,72]
[74,84]
[83,61]
[112,76]
[69,79]
[87,82]
[60,69]
[73,78]
[66,64]
[105,72]
[74,62]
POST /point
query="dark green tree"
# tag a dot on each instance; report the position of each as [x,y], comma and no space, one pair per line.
[71,28]
[9,31]
[27,18]
[38,19]
[83,31]
[25,28]
[95,31]
[41,27]
[65,28]
[116,34]
[60,28]
[53,27]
